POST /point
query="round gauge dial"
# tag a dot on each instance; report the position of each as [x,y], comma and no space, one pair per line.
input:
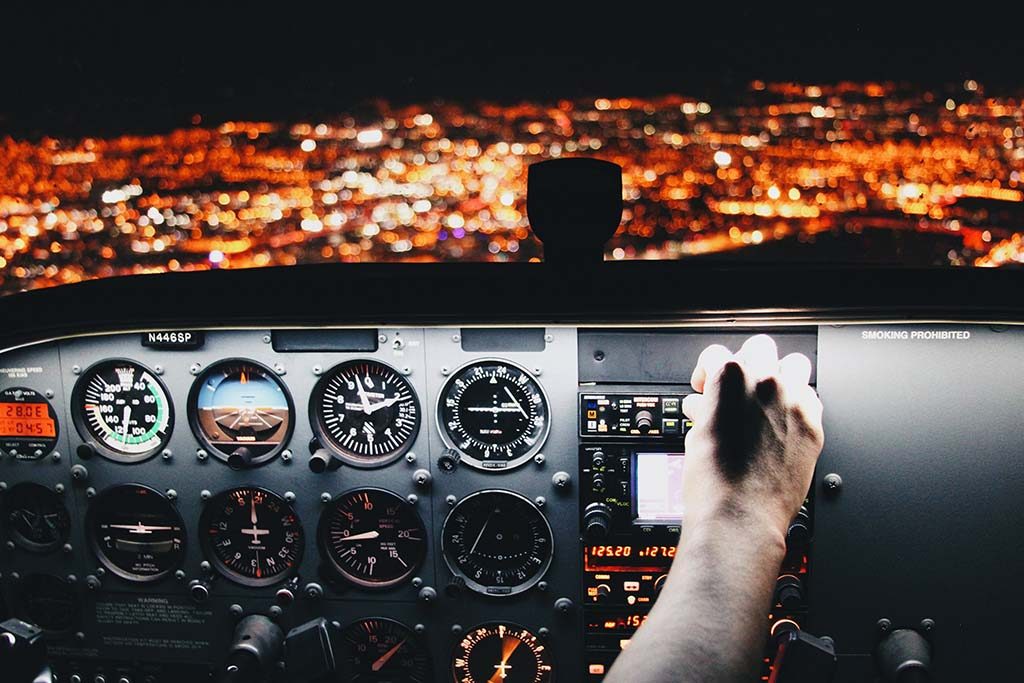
[382,650]
[366,412]
[494,414]
[252,536]
[123,409]
[372,537]
[501,652]
[28,424]
[49,602]
[36,518]
[241,412]
[498,542]
[136,532]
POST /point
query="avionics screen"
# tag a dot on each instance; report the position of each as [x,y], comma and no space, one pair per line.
[26,420]
[659,486]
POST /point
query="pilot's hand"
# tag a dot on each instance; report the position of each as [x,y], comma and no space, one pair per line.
[756,435]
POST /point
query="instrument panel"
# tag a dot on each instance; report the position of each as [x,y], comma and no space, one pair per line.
[459,503]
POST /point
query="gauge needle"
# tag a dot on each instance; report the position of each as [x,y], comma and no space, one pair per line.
[481,534]
[252,515]
[508,646]
[362,396]
[366,536]
[126,419]
[379,664]
[518,404]
[140,528]
[383,404]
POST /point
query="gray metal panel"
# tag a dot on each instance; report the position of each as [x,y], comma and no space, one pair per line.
[669,356]
[926,436]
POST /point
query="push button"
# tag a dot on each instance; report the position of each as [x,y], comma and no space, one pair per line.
[670,426]
[670,406]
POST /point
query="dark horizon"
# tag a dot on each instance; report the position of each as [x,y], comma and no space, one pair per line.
[96,72]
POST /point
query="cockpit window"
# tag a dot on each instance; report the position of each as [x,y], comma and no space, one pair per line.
[748,137]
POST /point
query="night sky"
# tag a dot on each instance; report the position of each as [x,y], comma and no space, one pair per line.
[94,71]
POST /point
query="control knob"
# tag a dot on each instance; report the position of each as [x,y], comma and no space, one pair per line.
[789,592]
[644,421]
[602,591]
[598,459]
[597,521]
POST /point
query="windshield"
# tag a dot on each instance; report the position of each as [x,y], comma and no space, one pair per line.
[744,137]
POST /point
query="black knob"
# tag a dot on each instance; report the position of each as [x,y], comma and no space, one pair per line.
[602,592]
[199,590]
[598,459]
[644,420]
[597,521]
[904,657]
[789,592]
[256,647]
[598,483]
[85,451]
[240,458]
[320,461]
[455,587]
[449,460]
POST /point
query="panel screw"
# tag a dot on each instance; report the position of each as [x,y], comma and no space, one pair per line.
[407,371]
[410,457]
[100,571]
[421,478]
[543,632]
[279,368]
[194,368]
[419,629]
[599,356]
[549,338]
[542,585]
[412,498]
[427,594]
[456,629]
[236,610]
[201,454]
[884,625]
[167,454]
[179,575]
[382,338]
[67,548]
[537,371]
[275,612]
[9,545]
[266,339]
[325,498]
[204,495]
[539,458]
[71,578]
[79,473]
[59,488]
[927,624]
[3,485]
[286,456]
[561,480]
[76,369]
[451,500]
[563,605]
[314,591]
[205,566]
[540,501]
[49,393]
[158,369]
[90,492]
[445,371]
[317,370]
[416,582]
[456,338]
[56,456]
[833,482]
[289,496]
[172,494]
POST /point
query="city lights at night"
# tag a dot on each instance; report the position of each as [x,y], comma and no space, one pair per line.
[785,164]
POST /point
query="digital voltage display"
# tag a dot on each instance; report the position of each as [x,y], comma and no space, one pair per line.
[26,420]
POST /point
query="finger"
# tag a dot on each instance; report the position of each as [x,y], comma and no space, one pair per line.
[709,363]
[809,402]
[795,371]
[760,356]
[695,407]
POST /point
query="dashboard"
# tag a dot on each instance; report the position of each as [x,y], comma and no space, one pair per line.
[444,501]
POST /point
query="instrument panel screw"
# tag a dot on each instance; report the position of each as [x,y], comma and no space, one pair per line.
[49,393]
[421,478]
[236,610]
[179,575]
[317,370]
[416,582]
[90,492]
[194,368]
[599,356]
[456,629]
[15,576]
[427,594]
[201,454]
[561,480]
[266,339]
[9,545]
[71,578]
[204,566]
[76,370]
[407,371]
[445,371]
[79,636]
[204,495]
[59,488]
[537,371]
[412,498]
[56,456]
[884,625]
[539,458]
[419,629]
[833,482]
[927,624]
[540,501]
[67,548]
[542,585]
[456,338]
[563,605]
[382,338]
[549,338]
[100,571]
[279,368]
[158,369]
[325,498]
[314,591]
[451,500]
[543,632]
[172,494]
[92,583]
[275,612]
[79,473]
[3,485]
[286,456]
[167,454]
[289,496]
[410,457]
